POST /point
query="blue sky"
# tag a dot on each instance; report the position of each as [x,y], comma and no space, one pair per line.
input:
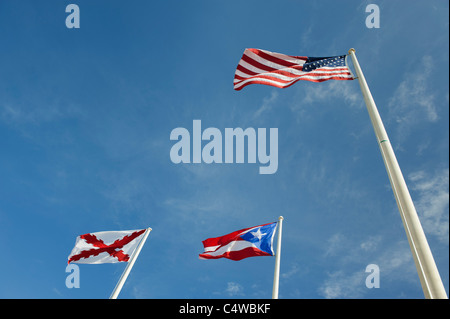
[85,120]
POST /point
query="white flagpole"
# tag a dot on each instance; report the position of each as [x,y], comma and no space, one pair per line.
[426,267]
[127,270]
[276,276]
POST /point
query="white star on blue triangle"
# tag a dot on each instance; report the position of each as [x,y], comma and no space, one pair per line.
[261,237]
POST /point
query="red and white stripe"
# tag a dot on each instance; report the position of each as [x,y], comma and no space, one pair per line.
[280,70]
[231,246]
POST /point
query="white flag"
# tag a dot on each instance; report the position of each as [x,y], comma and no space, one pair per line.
[105,247]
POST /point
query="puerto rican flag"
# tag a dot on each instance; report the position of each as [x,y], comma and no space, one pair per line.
[105,247]
[248,242]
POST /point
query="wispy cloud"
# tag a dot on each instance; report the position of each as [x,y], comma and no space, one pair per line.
[432,202]
[267,104]
[334,242]
[34,112]
[328,91]
[413,100]
[28,115]
[342,285]
[334,90]
[294,269]
[234,289]
[394,261]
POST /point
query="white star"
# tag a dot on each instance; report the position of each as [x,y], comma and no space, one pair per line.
[258,234]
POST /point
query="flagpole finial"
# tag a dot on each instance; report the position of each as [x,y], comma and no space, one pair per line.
[351,50]
[280,218]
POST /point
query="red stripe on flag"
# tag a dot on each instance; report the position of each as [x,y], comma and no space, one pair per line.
[280,71]
[282,86]
[276,60]
[226,239]
[223,240]
[238,254]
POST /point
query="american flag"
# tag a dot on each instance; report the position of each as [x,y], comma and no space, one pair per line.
[280,70]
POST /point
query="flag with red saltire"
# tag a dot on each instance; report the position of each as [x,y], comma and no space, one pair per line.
[247,242]
[280,70]
[105,247]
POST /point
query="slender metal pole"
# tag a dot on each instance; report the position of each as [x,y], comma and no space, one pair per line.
[127,270]
[430,279]
[276,276]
